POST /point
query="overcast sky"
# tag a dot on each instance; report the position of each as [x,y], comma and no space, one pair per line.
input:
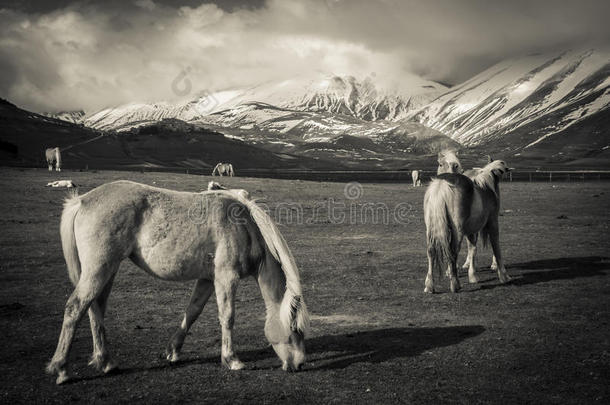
[64,55]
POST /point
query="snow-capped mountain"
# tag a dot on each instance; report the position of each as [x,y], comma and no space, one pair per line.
[75,117]
[370,99]
[264,122]
[543,93]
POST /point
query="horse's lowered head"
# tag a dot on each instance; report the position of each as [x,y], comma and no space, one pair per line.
[448,162]
[287,332]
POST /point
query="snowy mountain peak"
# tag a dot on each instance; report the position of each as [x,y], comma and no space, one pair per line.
[75,117]
[570,85]
[370,98]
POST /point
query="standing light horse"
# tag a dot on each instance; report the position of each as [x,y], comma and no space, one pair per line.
[215,237]
[416,177]
[223,169]
[448,162]
[456,206]
[53,156]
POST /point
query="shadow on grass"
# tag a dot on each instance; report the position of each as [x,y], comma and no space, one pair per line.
[378,346]
[564,268]
[374,346]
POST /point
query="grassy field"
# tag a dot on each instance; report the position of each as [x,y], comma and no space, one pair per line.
[376,337]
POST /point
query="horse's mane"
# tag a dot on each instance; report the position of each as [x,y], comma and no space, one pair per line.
[486,177]
[293,311]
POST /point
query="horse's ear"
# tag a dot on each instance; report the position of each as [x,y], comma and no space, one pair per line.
[489,159]
[457,152]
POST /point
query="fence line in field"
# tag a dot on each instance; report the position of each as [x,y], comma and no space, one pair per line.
[396,176]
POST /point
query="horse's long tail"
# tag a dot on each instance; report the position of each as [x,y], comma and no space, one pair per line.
[440,231]
[68,241]
[293,311]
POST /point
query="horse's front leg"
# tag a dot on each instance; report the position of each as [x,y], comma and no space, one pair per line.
[225,283]
[494,263]
[200,295]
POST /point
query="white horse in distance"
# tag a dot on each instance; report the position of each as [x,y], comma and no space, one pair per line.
[225,169]
[456,206]
[53,156]
[215,237]
[416,177]
[61,183]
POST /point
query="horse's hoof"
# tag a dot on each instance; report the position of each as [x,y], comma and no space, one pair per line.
[173,357]
[504,278]
[62,377]
[473,279]
[111,367]
[429,290]
[233,364]
[236,365]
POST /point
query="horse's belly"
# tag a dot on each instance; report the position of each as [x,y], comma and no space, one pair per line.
[175,258]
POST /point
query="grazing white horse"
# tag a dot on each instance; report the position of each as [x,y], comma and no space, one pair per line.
[416,176]
[223,169]
[448,162]
[456,206]
[53,156]
[62,183]
[215,237]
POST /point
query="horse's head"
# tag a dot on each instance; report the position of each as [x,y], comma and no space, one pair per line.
[291,351]
[448,162]
[498,168]
[288,341]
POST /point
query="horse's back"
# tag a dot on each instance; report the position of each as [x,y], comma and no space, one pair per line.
[173,235]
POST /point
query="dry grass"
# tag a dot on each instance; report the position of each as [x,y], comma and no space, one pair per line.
[376,336]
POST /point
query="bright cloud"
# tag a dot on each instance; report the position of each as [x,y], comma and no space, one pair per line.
[92,56]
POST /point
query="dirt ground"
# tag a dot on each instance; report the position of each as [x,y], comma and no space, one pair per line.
[376,337]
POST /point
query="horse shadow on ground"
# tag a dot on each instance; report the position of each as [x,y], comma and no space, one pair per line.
[565,268]
[381,345]
[337,351]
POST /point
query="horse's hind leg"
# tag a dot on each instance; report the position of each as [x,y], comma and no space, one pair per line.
[452,271]
[225,284]
[494,238]
[453,274]
[470,260]
[429,285]
[100,359]
[201,293]
[86,290]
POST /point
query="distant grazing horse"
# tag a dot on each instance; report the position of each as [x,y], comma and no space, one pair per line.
[448,162]
[456,206]
[416,176]
[53,158]
[223,169]
[215,237]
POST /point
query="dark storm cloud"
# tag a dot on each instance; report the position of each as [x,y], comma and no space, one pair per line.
[65,55]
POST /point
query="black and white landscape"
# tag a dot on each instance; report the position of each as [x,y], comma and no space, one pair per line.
[323,108]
